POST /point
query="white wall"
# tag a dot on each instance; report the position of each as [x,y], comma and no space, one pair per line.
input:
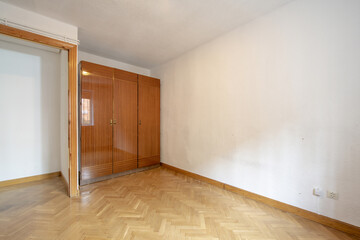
[273,107]
[29,110]
[84,56]
[64,145]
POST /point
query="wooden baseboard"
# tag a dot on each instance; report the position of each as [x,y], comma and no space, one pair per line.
[329,222]
[29,179]
[65,183]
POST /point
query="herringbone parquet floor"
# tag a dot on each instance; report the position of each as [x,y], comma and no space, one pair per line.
[156,204]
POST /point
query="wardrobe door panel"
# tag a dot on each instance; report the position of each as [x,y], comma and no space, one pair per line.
[125,121]
[149,121]
[96,113]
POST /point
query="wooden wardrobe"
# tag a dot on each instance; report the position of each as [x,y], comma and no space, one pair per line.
[120,122]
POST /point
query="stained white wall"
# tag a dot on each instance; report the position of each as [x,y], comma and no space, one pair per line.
[34,20]
[273,107]
[84,56]
[29,110]
[64,150]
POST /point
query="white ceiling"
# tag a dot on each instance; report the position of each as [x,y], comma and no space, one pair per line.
[148,32]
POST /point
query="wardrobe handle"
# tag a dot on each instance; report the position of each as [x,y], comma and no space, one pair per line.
[139,122]
[111,121]
[114,121]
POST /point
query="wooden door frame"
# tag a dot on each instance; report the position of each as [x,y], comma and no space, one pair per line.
[72,94]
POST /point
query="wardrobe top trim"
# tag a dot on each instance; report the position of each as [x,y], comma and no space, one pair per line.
[89,68]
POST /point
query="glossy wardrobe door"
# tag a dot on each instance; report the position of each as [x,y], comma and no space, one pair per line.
[149,121]
[125,121]
[96,114]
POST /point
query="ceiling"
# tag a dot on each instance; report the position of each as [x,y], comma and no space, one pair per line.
[147,33]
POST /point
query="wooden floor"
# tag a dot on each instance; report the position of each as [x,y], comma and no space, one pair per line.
[156,204]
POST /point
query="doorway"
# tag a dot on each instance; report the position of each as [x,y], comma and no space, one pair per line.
[71,100]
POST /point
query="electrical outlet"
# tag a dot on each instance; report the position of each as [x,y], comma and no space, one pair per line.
[332,195]
[317,192]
